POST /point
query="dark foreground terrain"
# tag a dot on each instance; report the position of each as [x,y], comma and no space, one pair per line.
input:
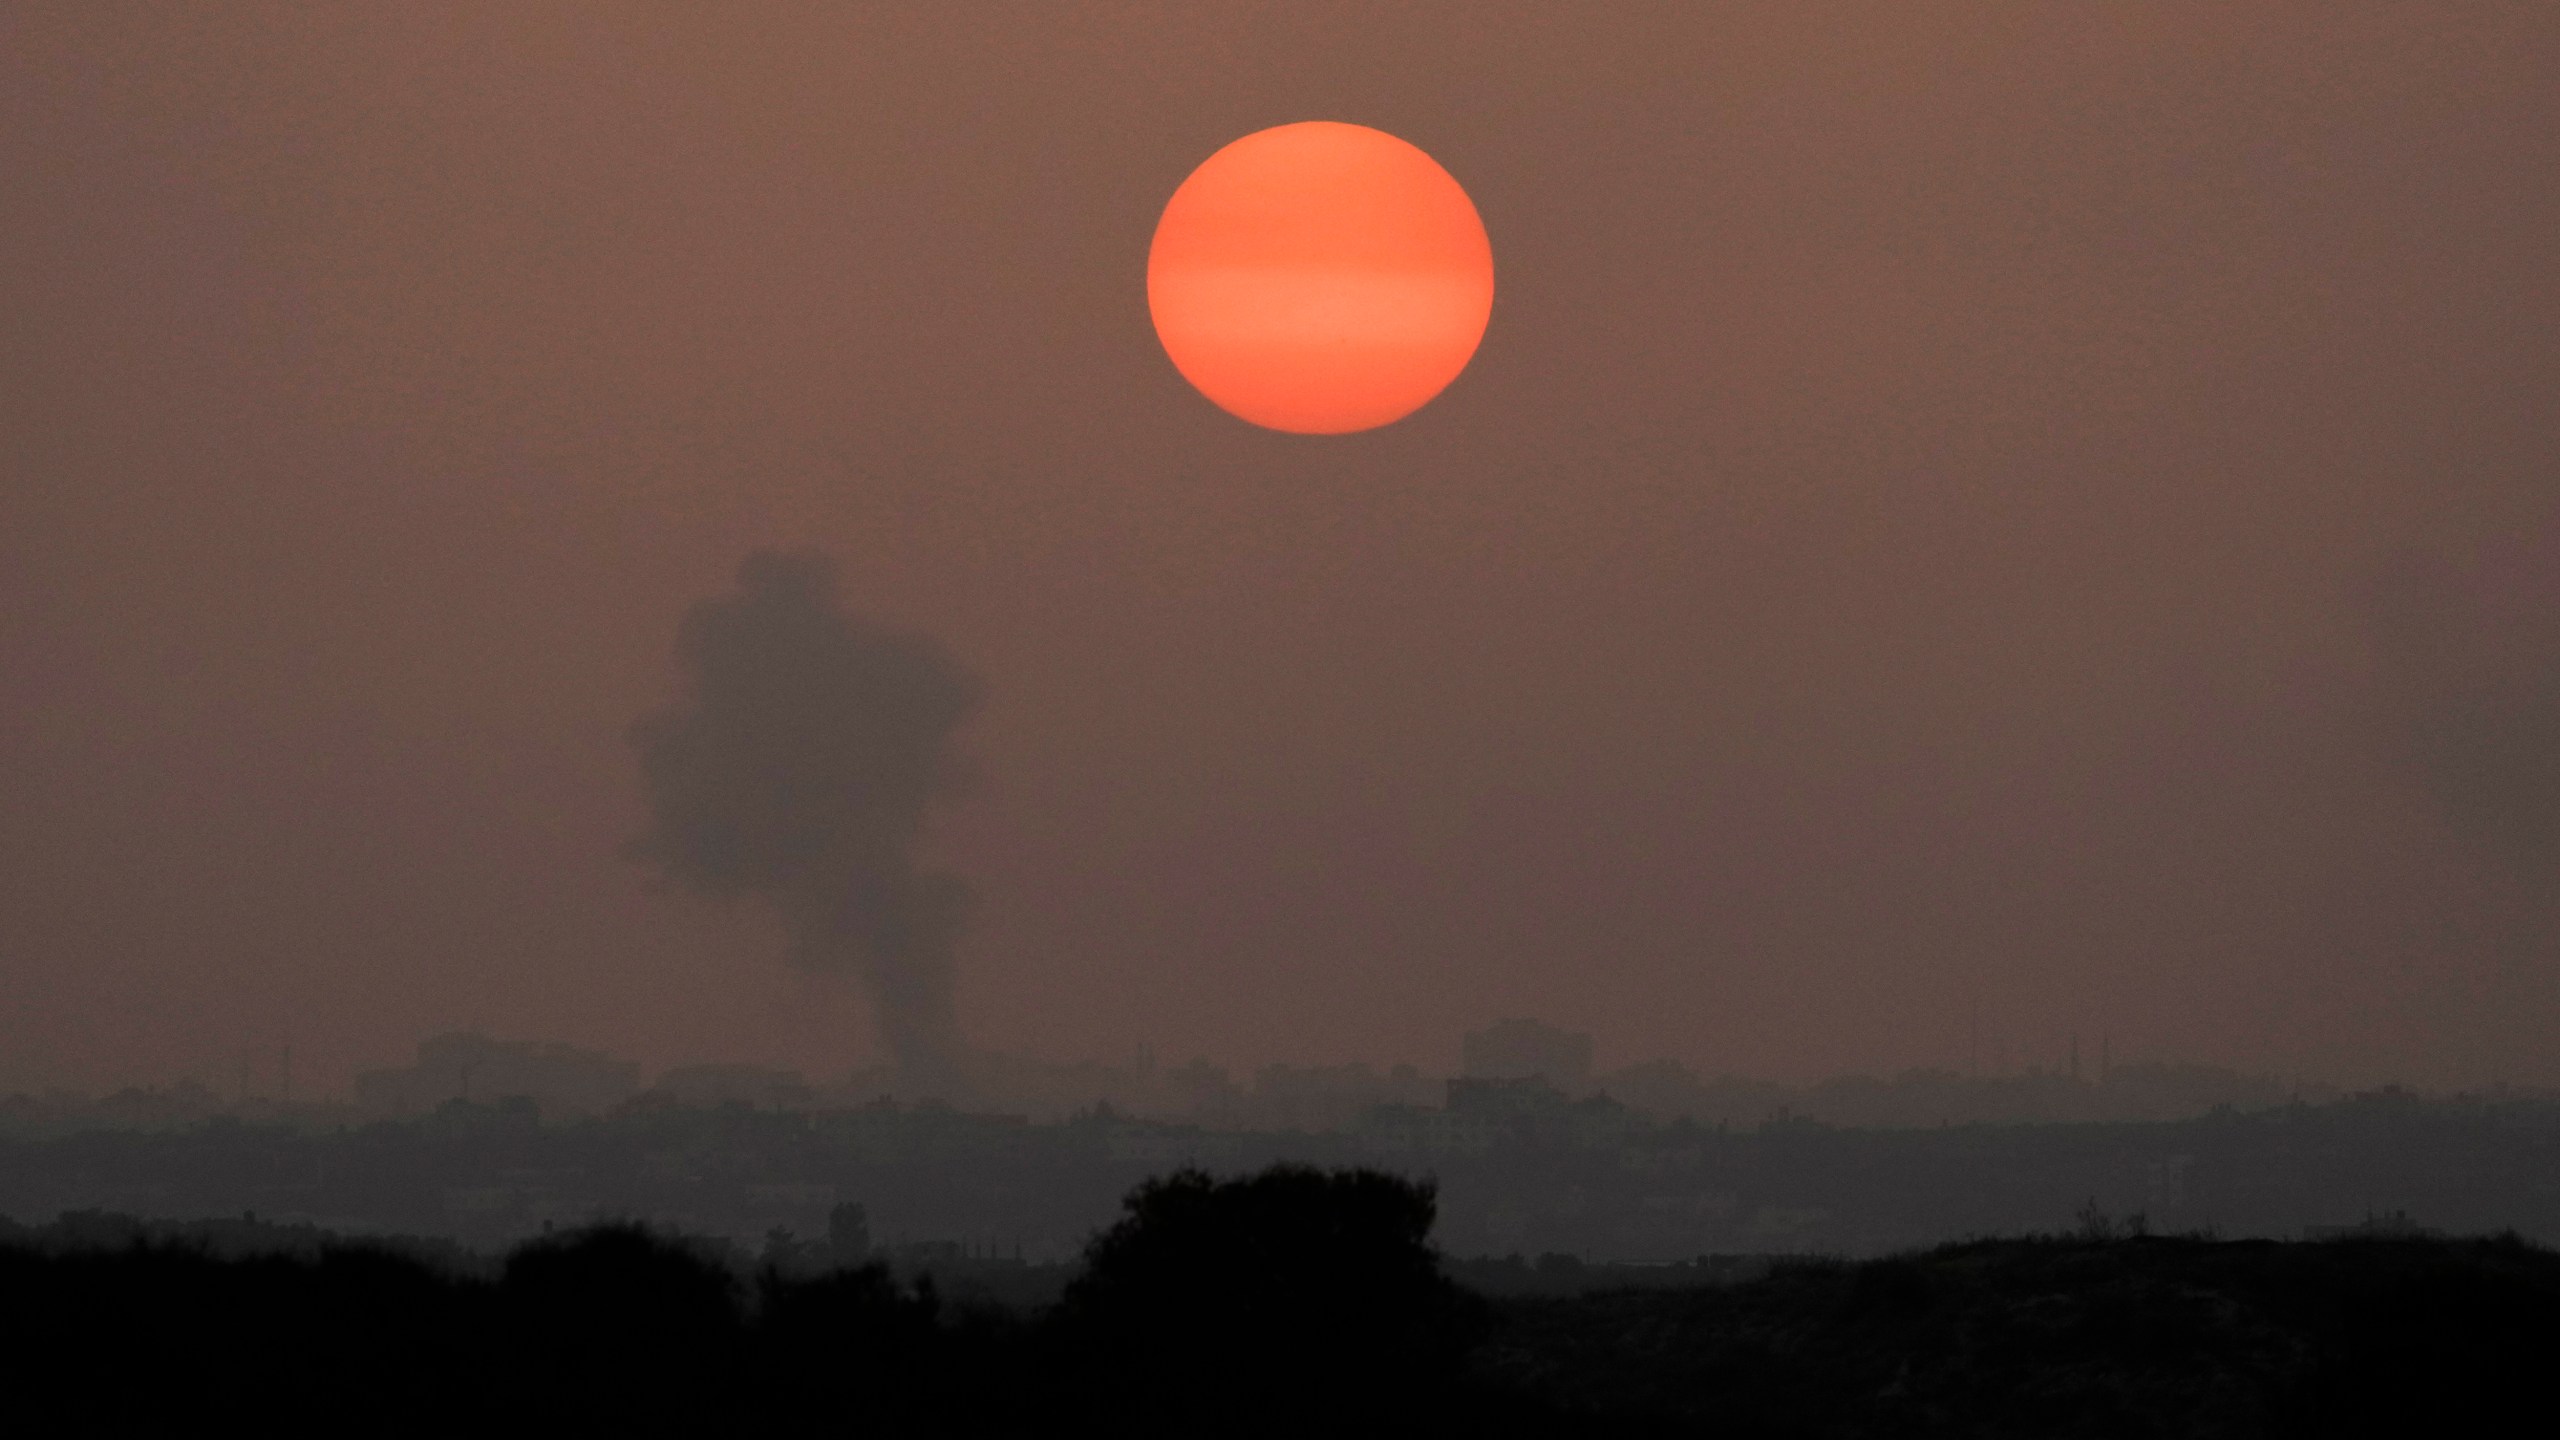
[1292,1302]
[2130,1336]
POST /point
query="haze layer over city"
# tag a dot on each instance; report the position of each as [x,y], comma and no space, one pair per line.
[1970,535]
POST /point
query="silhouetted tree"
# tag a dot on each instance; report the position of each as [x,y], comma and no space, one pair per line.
[853,1347]
[629,1329]
[1291,1299]
[848,1233]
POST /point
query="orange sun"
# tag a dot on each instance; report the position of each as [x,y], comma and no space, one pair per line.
[1320,278]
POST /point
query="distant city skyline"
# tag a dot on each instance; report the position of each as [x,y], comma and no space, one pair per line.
[570,1083]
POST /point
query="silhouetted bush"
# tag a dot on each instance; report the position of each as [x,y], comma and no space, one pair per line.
[160,1339]
[855,1349]
[615,1328]
[1291,1299]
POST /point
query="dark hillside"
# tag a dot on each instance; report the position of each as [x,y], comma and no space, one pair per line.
[1291,1302]
[2095,1336]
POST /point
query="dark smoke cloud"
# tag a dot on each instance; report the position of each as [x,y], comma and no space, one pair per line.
[2467,656]
[800,765]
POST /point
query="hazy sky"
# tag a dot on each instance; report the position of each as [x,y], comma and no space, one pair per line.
[2051,506]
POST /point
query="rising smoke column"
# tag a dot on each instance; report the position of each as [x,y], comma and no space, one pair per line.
[800,764]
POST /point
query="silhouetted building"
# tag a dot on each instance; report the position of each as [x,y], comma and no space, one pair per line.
[715,1085]
[1523,1049]
[1526,1097]
[1329,1097]
[1410,1130]
[562,1079]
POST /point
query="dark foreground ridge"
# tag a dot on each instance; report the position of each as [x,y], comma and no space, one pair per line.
[1296,1301]
[2086,1335]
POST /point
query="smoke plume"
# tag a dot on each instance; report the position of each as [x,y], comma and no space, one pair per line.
[800,765]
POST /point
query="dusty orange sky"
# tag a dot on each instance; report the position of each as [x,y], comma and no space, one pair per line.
[1936,519]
